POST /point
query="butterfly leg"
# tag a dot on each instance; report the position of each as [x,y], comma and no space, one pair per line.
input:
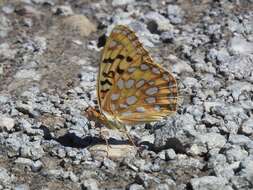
[129,137]
[104,134]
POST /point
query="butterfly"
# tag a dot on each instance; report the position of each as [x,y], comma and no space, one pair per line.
[131,88]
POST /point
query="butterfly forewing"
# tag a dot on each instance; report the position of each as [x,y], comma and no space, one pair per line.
[131,87]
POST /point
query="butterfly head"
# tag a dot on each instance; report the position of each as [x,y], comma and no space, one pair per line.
[93,114]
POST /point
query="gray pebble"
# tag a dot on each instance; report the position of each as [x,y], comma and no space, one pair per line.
[90,184]
[32,150]
[170,154]
[239,139]
[5,177]
[63,10]
[122,2]
[5,26]
[175,14]
[246,166]
[136,187]
[209,182]
[6,123]
[34,165]
[239,67]
[239,45]
[163,24]
[236,153]
[211,140]
[22,187]
[247,127]
[109,164]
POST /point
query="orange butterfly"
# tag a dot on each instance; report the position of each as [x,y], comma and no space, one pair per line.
[131,88]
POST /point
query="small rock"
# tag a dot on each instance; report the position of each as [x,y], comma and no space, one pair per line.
[239,45]
[238,139]
[4,99]
[49,2]
[197,150]
[121,2]
[210,82]
[163,186]
[226,170]
[73,177]
[79,24]
[161,155]
[63,10]
[59,151]
[239,88]
[14,142]
[240,182]
[5,177]
[90,184]
[6,52]
[136,187]
[216,159]
[210,120]
[5,26]
[22,187]
[162,23]
[145,179]
[6,123]
[171,183]
[170,154]
[109,164]
[148,138]
[239,67]
[195,110]
[208,182]
[209,105]
[28,74]
[114,151]
[211,140]
[246,168]
[190,82]
[8,9]
[247,127]
[175,14]
[26,109]
[32,150]
[56,173]
[179,66]
[188,162]
[236,153]
[34,165]
[168,36]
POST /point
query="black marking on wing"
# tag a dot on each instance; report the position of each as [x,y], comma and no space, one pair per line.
[121,57]
[110,74]
[129,59]
[109,60]
[104,91]
[119,71]
[106,81]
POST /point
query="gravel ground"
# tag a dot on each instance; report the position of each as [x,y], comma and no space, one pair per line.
[49,55]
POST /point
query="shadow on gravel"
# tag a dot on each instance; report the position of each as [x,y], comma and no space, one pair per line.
[172,143]
[71,140]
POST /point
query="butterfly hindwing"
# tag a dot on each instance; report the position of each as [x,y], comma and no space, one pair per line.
[131,87]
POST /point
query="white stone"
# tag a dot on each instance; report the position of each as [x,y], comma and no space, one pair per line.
[6,123]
